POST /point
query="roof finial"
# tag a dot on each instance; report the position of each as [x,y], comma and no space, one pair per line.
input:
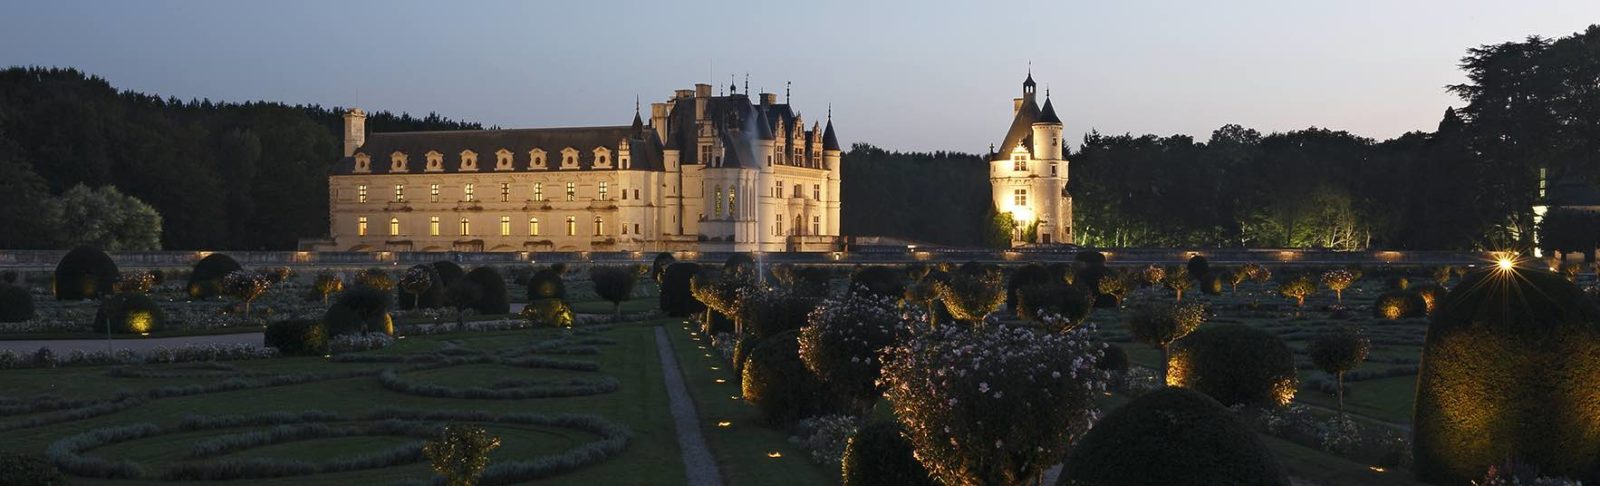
[786,92]
[732,88]
[1047,91]
[1030,68]
[830,112]
[635,104]
[747,83]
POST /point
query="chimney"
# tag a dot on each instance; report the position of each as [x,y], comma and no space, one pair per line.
[658,119]
[769,99]
[702,90]
[355,130]
[1016,106]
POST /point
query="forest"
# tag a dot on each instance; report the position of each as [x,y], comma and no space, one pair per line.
[254,175]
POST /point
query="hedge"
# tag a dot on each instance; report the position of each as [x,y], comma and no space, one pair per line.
[85,273]
[448,272]
[495,299]
[777,382]
[129,314]
[298,337]
[16,305]
[206,280]
[675,297]
[1234,364]
[1171,436]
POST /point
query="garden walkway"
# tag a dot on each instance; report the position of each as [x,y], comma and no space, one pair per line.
[700,467]
[60,346]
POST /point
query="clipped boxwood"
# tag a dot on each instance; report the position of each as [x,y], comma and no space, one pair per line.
[299,337]
[16,305]
[1199,268]
[359,310]
[877,454]
[546,284]
[495,299]
[775,311]
[129,314]
[1510,370]
[675,298]
[1234,364]
[777,382]
[1171,436]
[206,280]
[548,313]
[1029,275]
[431,298]
[660,264]
[85,273]
[448,272]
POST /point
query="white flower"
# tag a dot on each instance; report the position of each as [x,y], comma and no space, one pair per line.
[983,387]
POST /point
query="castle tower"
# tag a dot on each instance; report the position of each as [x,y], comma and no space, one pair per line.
[831,159]
[355,130]
[1028,173]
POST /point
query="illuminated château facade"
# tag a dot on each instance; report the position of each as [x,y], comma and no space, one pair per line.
[1028,174]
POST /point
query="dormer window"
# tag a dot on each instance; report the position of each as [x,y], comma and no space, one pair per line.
[502,160]
[536,159]
[469,161]
[435,161]
[397,162]
[602,157]
[569,158]
[363,163]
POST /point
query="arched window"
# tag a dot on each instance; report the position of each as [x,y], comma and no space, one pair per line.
[733,201]
[363,163]
[466,227]
[572,226]
[599,226]
[533,226]
[394,226]
[361,226]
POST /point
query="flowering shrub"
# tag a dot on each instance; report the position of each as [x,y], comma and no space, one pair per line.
[136,282]
[996,405]
[1153,275]
[972,294]
[825,437]
[841,341]
[345,343]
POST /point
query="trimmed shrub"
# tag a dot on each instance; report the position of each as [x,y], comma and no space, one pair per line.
[460,453]
[495,299]
[1235,364]
[1171,436]
[972,293]
[16,304]
[1510,370]
[299,337]
[1159,324]
[804,280]
[548,313]
[740,264]
[675,298]
[877,454]
[359,310]
[420,287]
[841,342]
[29,470]
[546,284]
[206,280]
[1090,258]
[768,313]
[448,272]
[129,314]
[1199,268]
[1429,294]
[377,278]
[878,280]
[659,266]
[1089,277]
[615,284]
[85,273]
[1212,286]
[778,383]
[1337,353]
[1399,304]
[1070,303]
[1029,275]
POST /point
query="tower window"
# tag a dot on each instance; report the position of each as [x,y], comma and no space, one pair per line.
[433,193]
[361,226]
[572,191]
[467,192]
[572,226]
[394,226]
[816,191]
[538,191]
[533,226]
[505,191]
[505,226]
[1020,197]
[1019,164]
[1052,169]
[433,226]
[466,227]
[361,193]
[400,192]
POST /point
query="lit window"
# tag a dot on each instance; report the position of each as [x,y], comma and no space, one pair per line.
[467,191]
[1020,197]
[361,193]
[538,191]
[603,190]
[816,191]
[466,227]
[361,226]
[599,225]
[718,203]
[433,226]
[394,226]
[816,225]
[572,191]
[1020,164]
[533,226]
[778,191]
[433,193]
[505,191]
[732,201]
[505,226]
[400,192]
[572,226]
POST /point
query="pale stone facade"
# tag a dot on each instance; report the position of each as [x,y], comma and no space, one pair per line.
[706,173]
[1028,173]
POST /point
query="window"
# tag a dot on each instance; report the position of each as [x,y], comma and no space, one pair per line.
[1052,169]
[538,191]
[361,226]
[433,226]
[777,192]
[572,226]
[780,225]
[636,228]
[533,226]
[394,226]
[816,225]
[599,226]
[718,202]
[467,192]
[624,228]
[1020,197]
[505,226]
[433,193]
[361,193]
[466,227]
[603,190]
[799,191]
[624,193]
[1019,164]
[635,193]
[572,191]
[505,191]
[733,201]
[400,192]
[816,191]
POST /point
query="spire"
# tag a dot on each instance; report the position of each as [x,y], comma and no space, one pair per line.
[829,140]
[1048,114]
[732,88]
[638,123]
[763,127]
[746,83]
[1028,86]
[786,92]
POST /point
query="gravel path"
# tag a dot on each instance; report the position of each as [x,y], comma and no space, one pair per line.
[697,461]
[143,344]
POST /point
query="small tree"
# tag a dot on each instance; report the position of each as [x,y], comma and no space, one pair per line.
[615,284]
[1238,276]
[1154,274]
[1338,352]
[328,283]
[1115,284]
[376,278]
[1339,279]
[416,281]
[247,286]
[1178,280]
[1160,324]
[1297,288]
[971,295]
[460,453]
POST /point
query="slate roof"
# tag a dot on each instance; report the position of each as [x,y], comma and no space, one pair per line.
[1021,132]
[1048,115]
[644,150]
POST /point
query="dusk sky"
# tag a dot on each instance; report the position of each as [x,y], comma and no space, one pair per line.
[905,75]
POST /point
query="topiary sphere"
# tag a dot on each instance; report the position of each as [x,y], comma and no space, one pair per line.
[297,337]
[878,280]
[1234,364]
[206,280]
[16,305]
[675,298]
[877,454]
[85,273]
[1510,370]
[777,382]
[1171,436]
[1090,258]
[546,284]
[448,271]
[494,299]
[358,310]
[430,298]
[129,314]
[657,267]
[1199,268]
